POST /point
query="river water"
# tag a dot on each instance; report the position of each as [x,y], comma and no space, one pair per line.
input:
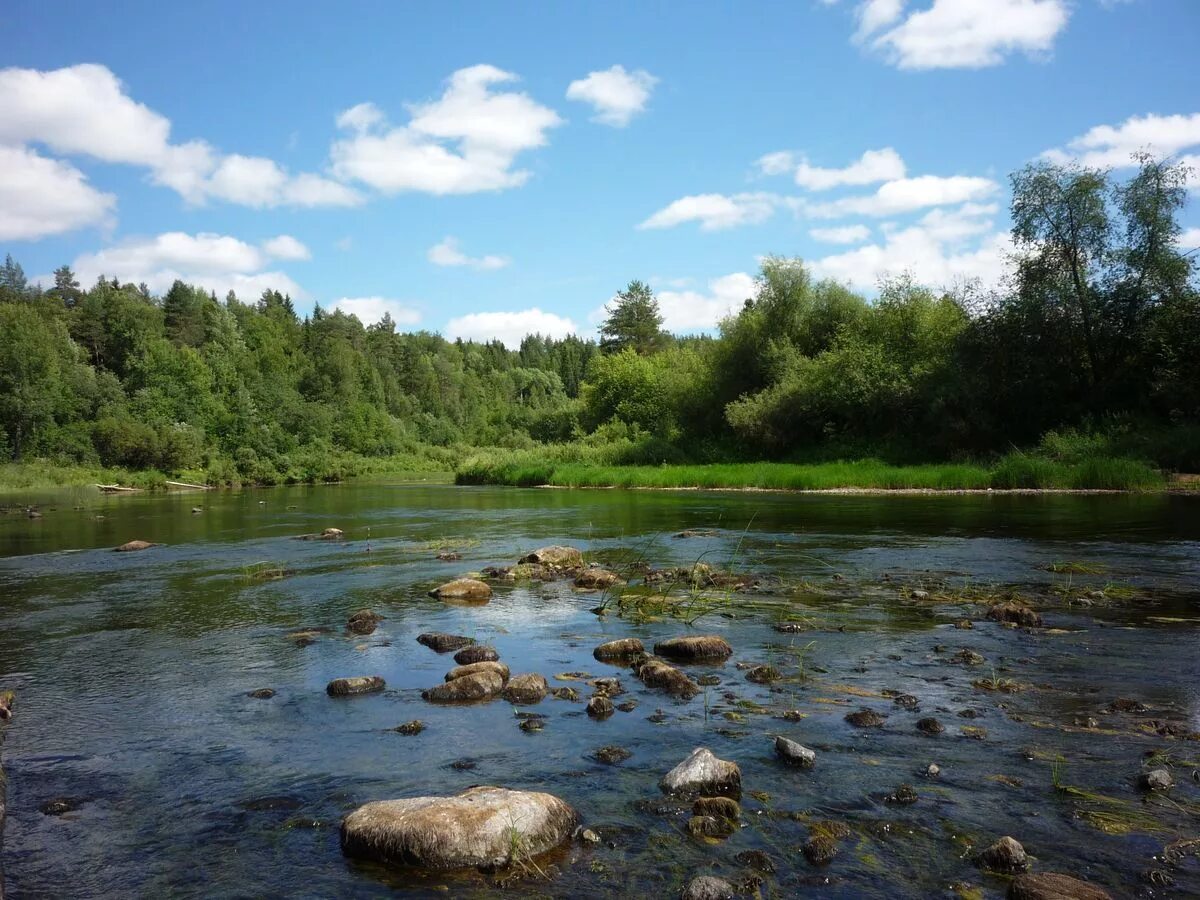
[132,671]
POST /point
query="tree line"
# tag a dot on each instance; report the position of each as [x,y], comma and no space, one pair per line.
[1094,339]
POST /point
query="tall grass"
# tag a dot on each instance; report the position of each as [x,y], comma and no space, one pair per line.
[1016,471]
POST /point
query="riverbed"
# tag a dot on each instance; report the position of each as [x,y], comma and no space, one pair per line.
[132,673]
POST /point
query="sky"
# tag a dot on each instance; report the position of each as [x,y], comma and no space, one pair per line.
[487,170]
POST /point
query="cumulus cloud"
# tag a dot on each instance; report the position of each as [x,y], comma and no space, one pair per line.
[1188,240]
[615,94]
[370,310]
[217,262]
[1113,146]
[905,195]
[509,327]
[448,253]
[960,34]
[872,167]
[285,247]
[41,197]
[715,212]
[465,141]
[847,234]
[689,311]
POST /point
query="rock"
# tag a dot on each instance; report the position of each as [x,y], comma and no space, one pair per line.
[764,674]
[483,826]
[694,647]
[791,627]
[628,706]
[1126,705]
[1015,614]
[865,718]
[708,680]
[596,578]
[332,534]
[906,701]
[600,707]
[611,755]
[820,849]
[794,754]
[969,657]
[196,510]
[933,770]
[444,643]
[448,556]
[473,668]
[930,725]
[468,689]
[131,546]
[717,808]
[560,557]
[364,621]
[60,806]
[360,684]
[565,693]
[416,726]
[588,836]
[532,725]
[476,653]
[964,625]
[7,700]
[703,773]
[609,687]
[261,694]
[757,860]
[531,688]
[1156,780]
[709,827]
[920,595]
[905,795]
[617,650]
[1006,856]
[708,887]
[466,590]
[1052,886]
[658,674]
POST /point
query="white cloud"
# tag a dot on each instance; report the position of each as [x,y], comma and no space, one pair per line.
[370,310]
[40,197]
[1188,240]
[715,211]
[689,311]
[848,234]
[908,195]
[465,141]
[217,262]
[870,168]
[509,327]
[448,253]
[967,34]
[84,110]
[776,163]
[1113,146]
[616,95]
[285,247]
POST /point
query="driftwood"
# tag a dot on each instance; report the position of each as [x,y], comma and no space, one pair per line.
[117,489]
[190,487]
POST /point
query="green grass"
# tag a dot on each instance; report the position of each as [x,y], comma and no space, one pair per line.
[524,468]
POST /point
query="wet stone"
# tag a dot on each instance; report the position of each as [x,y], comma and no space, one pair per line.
[1156,780]
[865,718]
[600,707]
[261,694]
[1015,614]
[1005,856]
[794,754]
[416,726]
[443,643]
[930,725]
[60,806]
[359,684]
[611,755]
[905,795]
[526,689]
[757,860]
[1053,886]
[708,887]
[703,773]
[820,849]
[710,827]
[764,675]
[906,701]
[628,705]
[618,650]
[694,647]
[708,680]
[565,693]
[364,622]
[717,808]
[476,653]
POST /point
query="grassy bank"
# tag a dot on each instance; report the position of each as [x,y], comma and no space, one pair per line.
[1015,471]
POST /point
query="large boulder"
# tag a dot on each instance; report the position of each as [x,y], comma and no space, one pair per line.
[618,650]
[1052,886]
[467,590]
[131,546]
[476,653]
[359,684]
[474,668]
[482,827]
[559,557]
[694,647]
[529,688]
[658,674]
[441,642]
[468,689]
[703,773]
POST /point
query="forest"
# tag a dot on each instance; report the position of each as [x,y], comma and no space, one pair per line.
[1090,349]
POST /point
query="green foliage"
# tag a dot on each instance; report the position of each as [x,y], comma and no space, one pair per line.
[633,322]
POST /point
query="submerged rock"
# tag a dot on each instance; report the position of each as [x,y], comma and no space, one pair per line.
[1006,856]
[619,649]
[470,590]
[526,689]
[7,700]
[483,826]
[364,621]
[865,718]
[359,684]
[611,755]
[609,687]
[905,795]
[1015,614]
[558,556]
[261,694]
[565,693]
[764,675]
[444,643]
[416,726]
[756,860]
[930,725]
[468,689]
[710,827]
[794,754]
[820,849]
[1052,886]
[131,546]
[658,674]
[474,668]
[703,773]
[448,556]
[600,707]
[597,578]
[694,647]
[709,887]
[1156,780]
[60,806]
[969,657]
[717,808]
[476,653]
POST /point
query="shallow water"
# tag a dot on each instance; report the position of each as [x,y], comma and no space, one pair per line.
[132,670]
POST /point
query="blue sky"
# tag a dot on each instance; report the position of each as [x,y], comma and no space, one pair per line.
[487,169]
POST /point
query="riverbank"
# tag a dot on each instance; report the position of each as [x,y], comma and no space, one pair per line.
[1012,472]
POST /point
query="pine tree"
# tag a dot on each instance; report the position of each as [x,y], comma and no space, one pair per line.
[633,321]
